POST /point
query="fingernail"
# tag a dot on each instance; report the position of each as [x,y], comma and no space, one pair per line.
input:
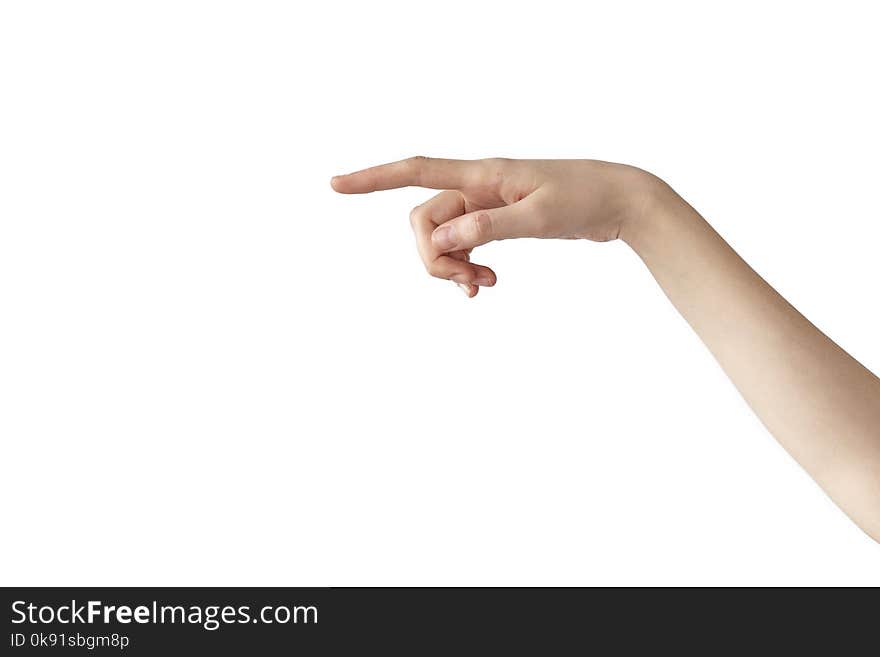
[464,288]
[444,238]
[483,280]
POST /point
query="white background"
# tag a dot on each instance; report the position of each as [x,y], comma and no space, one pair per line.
[215,371]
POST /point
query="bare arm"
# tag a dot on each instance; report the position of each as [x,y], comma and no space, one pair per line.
[821,404]
[816,400]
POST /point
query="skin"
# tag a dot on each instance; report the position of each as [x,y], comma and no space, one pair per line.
[821,404]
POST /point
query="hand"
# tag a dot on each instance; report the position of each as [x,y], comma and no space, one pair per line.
[820,403]
[497,198]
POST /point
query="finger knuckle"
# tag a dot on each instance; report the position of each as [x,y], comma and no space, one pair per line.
[482,226]
[434,270]
[416,166]
[414,215]
[494,170]
[496,162]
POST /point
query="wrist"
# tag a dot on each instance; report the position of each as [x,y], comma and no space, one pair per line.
[654,205]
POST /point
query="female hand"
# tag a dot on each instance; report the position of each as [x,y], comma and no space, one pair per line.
[820,403]
[497,198]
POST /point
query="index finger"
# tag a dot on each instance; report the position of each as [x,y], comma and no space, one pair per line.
[428,172]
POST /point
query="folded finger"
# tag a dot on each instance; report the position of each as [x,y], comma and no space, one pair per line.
[520,219]
[454,266]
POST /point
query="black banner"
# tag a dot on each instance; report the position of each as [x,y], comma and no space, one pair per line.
[313,621]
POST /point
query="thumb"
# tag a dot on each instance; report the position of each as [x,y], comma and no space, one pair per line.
[482,226]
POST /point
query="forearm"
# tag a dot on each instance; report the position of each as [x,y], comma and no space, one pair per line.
[817,401]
